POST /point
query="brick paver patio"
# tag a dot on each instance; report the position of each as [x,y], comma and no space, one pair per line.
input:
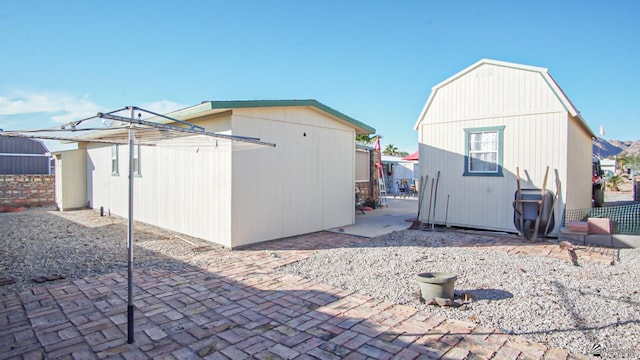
[238,309]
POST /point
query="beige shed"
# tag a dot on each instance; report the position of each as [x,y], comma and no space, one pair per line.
[233,198]
[71,193]
[481,124]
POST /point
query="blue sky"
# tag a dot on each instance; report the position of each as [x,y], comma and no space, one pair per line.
[375,61]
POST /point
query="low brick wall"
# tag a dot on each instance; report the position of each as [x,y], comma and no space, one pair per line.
[26,190]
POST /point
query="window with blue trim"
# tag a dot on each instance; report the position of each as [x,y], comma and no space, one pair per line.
[483,151]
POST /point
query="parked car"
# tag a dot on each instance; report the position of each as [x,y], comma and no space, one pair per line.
[597,191]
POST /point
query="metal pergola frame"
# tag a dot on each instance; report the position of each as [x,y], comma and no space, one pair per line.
[122,135]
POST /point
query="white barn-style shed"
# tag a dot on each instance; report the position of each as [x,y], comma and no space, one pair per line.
[481,124]
[233,198]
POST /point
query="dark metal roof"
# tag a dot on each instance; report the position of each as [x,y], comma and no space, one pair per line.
[9,144]
[22,156]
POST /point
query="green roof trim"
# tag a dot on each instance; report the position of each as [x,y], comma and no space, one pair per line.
[282,103]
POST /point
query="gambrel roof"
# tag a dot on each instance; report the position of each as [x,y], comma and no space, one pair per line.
[553,86]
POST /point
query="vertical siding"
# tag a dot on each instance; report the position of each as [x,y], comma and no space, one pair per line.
[269,185]
[186,190]
[535,136]
[303,185]
[491,91]
[58,182]
[109,191]
[579,167]
[338,174]
[71,180]
[179,189]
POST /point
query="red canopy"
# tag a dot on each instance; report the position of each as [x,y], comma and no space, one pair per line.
[413,156]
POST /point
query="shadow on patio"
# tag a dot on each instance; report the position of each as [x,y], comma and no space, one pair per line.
[235,307]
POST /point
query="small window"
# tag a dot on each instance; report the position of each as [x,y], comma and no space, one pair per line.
[114,160]
[362,166]
[483,153]
[136,160]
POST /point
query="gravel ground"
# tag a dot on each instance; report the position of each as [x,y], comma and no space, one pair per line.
[546,300]
[76,244]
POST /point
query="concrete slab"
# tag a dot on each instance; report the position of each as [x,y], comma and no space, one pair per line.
[598,240]
[399,215]
[572,237]
[626,241]
[614,240]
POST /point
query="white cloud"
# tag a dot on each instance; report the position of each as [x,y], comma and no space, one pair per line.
[62,107]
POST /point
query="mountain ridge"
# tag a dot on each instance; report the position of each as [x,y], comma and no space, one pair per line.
[604,148]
